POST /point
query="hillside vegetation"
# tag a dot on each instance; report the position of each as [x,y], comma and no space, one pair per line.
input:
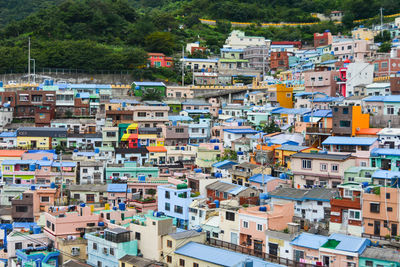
[116,34]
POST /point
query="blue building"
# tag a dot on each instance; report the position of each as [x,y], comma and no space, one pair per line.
[39,256]
[174,201]
[106,249]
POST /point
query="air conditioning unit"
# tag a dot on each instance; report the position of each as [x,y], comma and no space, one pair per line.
[302,177]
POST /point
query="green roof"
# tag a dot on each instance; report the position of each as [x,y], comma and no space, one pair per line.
[332,244]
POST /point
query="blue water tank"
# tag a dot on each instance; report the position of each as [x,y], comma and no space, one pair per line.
[240,153]
[213,141]
[283,176]
[33,187]
[101,224]
[96,150]
[52,185]
[240,123]
[51,82]
[121,206]
[78,95]
[123,104]
[39,167]
[197,170]
[36,230]
[114,208]
[1,83]
[216,203]
[183,148]
[220,111]
[76,150]
[45,158]
[365,184]
[218,175]
[216,147]
[82,205]
[112,221]
[262,208]
[32,167]
[46,82]
[263,196]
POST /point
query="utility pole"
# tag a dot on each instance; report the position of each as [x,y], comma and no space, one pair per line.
[263,62]
[29,59]
[62,179]
[183,67]
[381,9]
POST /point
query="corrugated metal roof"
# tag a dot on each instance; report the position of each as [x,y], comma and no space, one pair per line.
[115,188]
[383,174]
[224,163]
[385,151]
[241,131]
[262,179]
[309,240]
[350,243]
[384,254]
[184,234]
[355,141]
[226,187]
[8,134]
[291,148]
[220,256]
[317,194]
[321,156]
[149,83]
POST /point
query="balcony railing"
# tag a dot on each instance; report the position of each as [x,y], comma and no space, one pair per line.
[259,254]
[317,130]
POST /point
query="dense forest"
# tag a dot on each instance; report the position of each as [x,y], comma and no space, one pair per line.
[116,34]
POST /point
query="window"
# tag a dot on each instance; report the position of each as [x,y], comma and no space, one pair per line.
[245,224]
[18,245]
[390,209]
[335,168]
[215,235]
[347,193]
[217,193]
[195,264]
[230,216]
[167,194]
[159,114]
[195,130]
[167,206]
[178,209]
[169,243]
[374,207]
[390,110]
[354,215]
[122,264]
[84,170]
[141,114]
[111,251]
[77,196]
[344,123]
[306,164]
[369,263]
[350,258]
[319,203]
[111,134]
[21,209]
[137,235]
[181,262]
[99,264]
[45,199]
[169,259]
[179,130]
[259,227]
[94,246]
[324,167]
[384,65]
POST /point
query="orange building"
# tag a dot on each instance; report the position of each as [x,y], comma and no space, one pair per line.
[348,119]
[284,95]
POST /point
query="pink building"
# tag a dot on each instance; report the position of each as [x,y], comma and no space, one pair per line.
[321,80]
[358,50]
[254,221]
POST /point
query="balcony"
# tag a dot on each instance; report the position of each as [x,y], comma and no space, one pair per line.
[317,130]
[346,202]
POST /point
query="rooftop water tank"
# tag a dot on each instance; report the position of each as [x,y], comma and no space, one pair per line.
[121,206]
[181,186]
[262,208]
[82,205]
[216,203]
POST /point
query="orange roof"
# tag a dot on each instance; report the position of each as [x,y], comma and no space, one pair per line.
[368,131]
[11,153]
[155,54]
[273,134]
[156,149]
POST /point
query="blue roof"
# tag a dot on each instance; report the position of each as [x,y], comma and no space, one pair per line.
[18,161]
[241,131]
[328,62]
[258,178]
[89,86]
[224,164]
[25,225]
[83,95]
[64,164]
[149,83]
[355,141]
[196,103]
[85,154]
[321,113]
[350,243]
[231,50]
[391,98]
[128,101]
[296,148]
[309,240]
[202,60]
[291,110]
[385,151]
[179,118]
[116,188]
[220,256]
[8,134]
[328,99]
[194,111]
[375,98]
[383,174]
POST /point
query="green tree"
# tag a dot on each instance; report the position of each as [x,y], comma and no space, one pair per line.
[229,154]
[383,37]
[271,128]
[160,42]
[385,47]
[152,94]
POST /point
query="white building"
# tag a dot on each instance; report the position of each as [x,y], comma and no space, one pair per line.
[381,89]
[91,172]
[233,134]
[389,138]
[6,116]
[311,205]
[358,73]
[238,40]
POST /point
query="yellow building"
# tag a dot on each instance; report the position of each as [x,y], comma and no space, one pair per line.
[172,242]
[283,153]
[72,249]
[32,142]
[284,95]
[363,34]
[134,261]
[157,154]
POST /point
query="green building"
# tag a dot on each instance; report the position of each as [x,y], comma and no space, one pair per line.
[359,174]
[174,105]
[385,159]
[140,87]
[379,257]
[131,171]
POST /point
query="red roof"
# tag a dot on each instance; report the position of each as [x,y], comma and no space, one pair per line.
[11,153]
[156,149]
[368,131]
[156,54]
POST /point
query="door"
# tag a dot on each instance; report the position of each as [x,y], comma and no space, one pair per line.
[258,244]
[394,229]
[377,228]
[234,238]
[325,260]
[273,249]
[33,144]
